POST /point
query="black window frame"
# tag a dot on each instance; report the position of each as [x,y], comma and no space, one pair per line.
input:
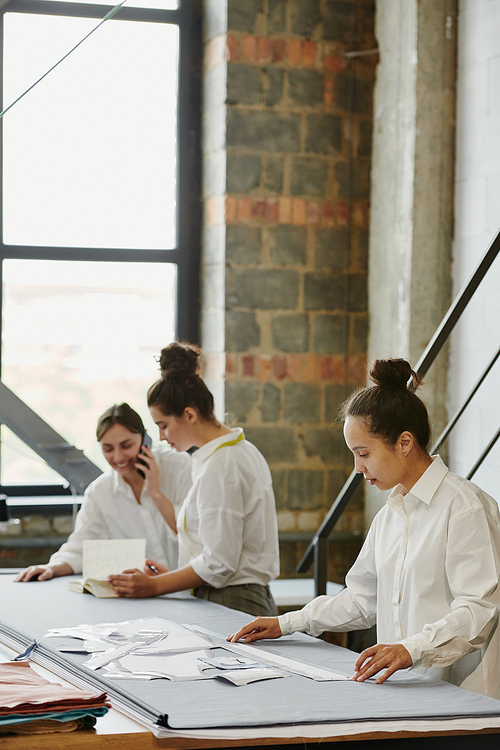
[186,255]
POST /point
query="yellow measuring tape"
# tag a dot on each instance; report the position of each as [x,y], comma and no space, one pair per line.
[231,442]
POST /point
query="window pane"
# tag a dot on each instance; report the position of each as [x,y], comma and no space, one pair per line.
[90,152]
[157,4]
[78,337]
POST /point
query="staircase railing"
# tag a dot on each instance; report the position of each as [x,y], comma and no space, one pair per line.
[317,550]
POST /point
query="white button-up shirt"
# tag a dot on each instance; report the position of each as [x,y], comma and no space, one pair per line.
[428,575]
[227,526]
[110,511]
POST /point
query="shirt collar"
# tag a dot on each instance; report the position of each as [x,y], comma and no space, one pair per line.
[120,485]
[209,448]
[425,488]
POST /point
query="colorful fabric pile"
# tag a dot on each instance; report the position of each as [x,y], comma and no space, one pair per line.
[30,704]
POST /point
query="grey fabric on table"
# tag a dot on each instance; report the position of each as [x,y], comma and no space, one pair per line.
[253,598]
[33,608]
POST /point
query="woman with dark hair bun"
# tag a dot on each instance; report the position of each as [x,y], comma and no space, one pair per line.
[227,526]
[428,572]
[131,500]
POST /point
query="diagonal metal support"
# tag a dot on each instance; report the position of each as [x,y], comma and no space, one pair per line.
[451,424]
[329,521]
[484,454]
[70,462]
[456,308]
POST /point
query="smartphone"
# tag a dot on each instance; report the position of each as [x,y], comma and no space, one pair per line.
[146,440]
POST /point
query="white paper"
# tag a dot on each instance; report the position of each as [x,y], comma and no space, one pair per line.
[104,557]
[177,667]
[290,665]
[324,731]
[280,662]
[246,676]
[178,638]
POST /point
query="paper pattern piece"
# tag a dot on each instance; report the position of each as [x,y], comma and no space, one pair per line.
[151,648]
[177,667]
[266,657]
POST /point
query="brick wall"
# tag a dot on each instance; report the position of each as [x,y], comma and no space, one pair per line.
[287,122]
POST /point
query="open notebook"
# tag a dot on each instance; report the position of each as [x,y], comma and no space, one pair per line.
[104,557]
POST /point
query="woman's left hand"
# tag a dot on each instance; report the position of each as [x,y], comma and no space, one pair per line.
[372,660]
[134,584]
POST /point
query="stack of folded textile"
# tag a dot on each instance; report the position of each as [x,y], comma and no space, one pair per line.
[30,704]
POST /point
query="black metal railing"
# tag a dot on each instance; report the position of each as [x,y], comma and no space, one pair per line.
[317,550]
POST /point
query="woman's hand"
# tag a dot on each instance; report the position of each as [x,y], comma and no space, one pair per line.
[152,568]
[151,473]
[35,573]
[134,584]
[372,660]
[261,627]
[44,572]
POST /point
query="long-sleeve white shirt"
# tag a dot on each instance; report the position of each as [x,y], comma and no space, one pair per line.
[110,511]
[428,575]
[227,526]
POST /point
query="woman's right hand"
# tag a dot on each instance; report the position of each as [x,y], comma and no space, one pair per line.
[261,627]
[152,568]
[35,573]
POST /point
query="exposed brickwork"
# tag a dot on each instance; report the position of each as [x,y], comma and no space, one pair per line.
[297,144]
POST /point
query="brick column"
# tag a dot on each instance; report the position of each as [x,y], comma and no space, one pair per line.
[287,163]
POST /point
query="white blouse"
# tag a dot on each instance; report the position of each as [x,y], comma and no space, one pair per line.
[110,511]
[227,526]
[428,575]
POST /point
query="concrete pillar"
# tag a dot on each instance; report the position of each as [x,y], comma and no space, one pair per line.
[412,188]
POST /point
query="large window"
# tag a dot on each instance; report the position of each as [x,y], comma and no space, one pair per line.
[99,210]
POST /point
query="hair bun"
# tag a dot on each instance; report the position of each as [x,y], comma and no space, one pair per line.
[395,373]
[179,360]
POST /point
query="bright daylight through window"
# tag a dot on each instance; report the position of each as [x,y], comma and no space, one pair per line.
[90,255]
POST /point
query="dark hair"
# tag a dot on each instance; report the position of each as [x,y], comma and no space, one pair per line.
[180,385]
[391,406]
[119,414]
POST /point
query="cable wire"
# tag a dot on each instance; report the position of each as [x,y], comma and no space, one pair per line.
[108,15]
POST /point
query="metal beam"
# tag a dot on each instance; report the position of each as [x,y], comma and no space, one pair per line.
[456,308]
[330,519]
[70,462]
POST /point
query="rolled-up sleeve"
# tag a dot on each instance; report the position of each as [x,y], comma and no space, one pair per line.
[221,524]
[473,570]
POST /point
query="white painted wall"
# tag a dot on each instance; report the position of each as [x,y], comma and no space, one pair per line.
[477,220]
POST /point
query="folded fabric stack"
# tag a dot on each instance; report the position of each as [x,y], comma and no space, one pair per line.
[30,704]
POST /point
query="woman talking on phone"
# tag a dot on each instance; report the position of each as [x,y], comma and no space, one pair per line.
[138,498]
[227,526]
[428,572]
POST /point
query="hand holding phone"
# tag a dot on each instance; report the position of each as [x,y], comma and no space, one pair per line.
[146,441]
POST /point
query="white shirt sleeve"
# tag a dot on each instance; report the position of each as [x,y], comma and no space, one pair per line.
[355,608]
[473,570]
[221,523]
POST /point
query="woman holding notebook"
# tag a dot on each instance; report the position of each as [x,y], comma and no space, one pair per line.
[227,526]
[135,499]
